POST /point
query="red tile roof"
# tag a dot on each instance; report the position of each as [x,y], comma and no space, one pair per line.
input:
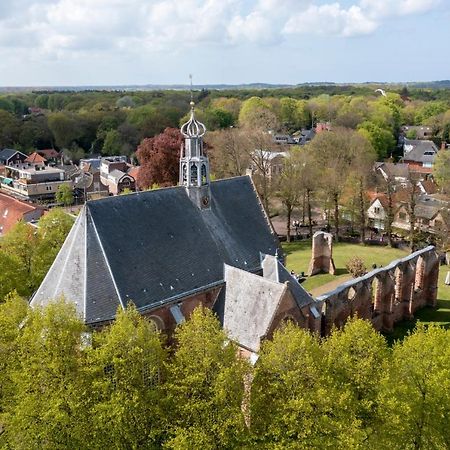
[12,211]
[35,158]
[133,172]
[48,153]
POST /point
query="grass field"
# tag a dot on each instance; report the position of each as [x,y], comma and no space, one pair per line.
[299,253]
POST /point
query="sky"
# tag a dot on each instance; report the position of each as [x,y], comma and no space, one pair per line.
[123,42]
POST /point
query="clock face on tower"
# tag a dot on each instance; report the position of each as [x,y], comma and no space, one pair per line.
[205,201]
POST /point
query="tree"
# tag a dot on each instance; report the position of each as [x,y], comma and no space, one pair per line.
[112,144]
[289,186]
[12,276]
[294,402]
[338,153]
[52,232]
[441,170]
[205,387]
[415,410]
[382,140]
[126,365]
[159,159]
[50,408]
[64,128]
[18,245]
[64,194]
[256,113]
[355,360]
[228,152]
[12,313]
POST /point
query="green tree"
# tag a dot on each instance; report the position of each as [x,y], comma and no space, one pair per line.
[415,398]
[64,194]
[12,313]
[294,402]
[65,128]
[12,276]
[52,232]
[382,140]
[112,144]
[205,387]
[256,113]
[127,370]
[355,360]
[50,408]
[18,246]
[441,170]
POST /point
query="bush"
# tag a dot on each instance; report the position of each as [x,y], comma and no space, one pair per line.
[356,267]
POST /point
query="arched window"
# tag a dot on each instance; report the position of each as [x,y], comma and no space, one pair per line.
[157,322]
[194,174]
[204,178]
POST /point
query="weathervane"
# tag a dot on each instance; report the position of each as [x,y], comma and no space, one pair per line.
[192,92]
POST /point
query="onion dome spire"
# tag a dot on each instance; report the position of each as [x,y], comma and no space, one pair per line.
[193,128]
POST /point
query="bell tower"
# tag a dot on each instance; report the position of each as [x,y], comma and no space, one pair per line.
[194,164]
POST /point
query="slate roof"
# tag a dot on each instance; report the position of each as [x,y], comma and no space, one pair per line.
[250,305]
[422,151]
[6,153]
[275,271]
[155,247]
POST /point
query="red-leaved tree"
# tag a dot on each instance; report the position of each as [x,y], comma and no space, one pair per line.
[159,159]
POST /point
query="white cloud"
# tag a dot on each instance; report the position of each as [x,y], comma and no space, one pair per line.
[62,28]
[386,8]
[331,19]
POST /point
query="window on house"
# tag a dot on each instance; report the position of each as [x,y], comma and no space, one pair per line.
[376,210]
[402,216]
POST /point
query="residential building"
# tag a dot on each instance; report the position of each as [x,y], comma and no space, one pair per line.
[32,182]
[13,211]
[269,162]
[9,157]
[114,174]
[419,154]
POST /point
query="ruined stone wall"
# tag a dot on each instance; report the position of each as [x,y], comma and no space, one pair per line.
[386,295]
[322,254]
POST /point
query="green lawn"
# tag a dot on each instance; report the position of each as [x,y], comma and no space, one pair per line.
[299,253]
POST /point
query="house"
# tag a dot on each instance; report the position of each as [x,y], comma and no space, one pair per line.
[10,157]
[284,139]
[169,250]
[50,154]
[13,211]
[419,132]
[397,173]
[32,182]
[419,153]
[431,216]
[36,160]
[114,174]
[270,162]
[377,211]
[88,184]
[322,126]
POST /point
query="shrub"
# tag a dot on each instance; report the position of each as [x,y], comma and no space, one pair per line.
[356,267]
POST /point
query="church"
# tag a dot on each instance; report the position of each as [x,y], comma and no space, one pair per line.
[170,250]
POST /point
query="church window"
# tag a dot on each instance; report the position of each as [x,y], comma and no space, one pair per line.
[194,174]
[204,178]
